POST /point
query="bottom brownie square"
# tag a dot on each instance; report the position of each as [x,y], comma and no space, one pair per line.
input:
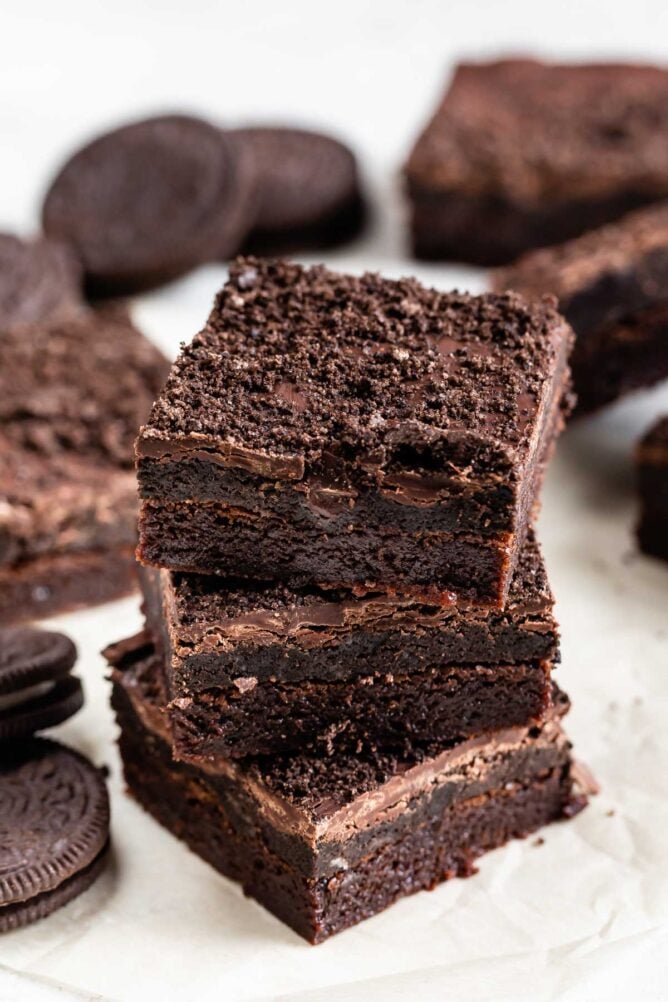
[325,842]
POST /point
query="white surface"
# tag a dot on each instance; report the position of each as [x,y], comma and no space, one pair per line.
[583,917]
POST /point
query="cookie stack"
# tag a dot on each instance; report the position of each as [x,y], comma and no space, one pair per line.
[54,807]
[348,619]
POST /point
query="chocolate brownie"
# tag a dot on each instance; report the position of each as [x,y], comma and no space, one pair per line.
[522,154]
[360,432]
[36,688]
[612,287]
[308,190]
[147,202]
[325,842]
[64,582]
[54,829]
[652,466]
[40,279]
[72,396]
[257,668]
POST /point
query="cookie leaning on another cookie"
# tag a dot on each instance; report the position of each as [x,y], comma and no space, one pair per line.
[147,202]
[309,193]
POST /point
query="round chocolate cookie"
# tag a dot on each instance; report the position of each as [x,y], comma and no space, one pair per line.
[36,689]
[39,280]
[54,828]
[149,201]
[308,189]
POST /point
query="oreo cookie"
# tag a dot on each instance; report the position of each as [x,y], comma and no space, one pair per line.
[40,280]
[151,200]
[36,688]
[309,193]
[54,829]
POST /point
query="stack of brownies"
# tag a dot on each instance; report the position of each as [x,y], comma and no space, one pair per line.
[344,693]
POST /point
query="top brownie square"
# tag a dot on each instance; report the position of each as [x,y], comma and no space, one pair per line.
[521,154]
[355,432]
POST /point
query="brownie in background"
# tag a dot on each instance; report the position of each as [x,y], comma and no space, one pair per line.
[612,287]
[351,432]
[73,393]
[522,154]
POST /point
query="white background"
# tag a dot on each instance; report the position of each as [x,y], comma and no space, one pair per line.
[583,917]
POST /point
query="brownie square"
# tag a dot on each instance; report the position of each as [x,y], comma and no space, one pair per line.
[73,393]
[324,843]
[354,432]
[612,287]
[522,154]
[652,467]
[254,669]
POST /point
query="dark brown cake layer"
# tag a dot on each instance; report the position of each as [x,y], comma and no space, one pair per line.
[216,631]
[354,431]
[325,843]
[522,154]
[652,467]
[432,567]
[54,584]
[385,710]
[612,288]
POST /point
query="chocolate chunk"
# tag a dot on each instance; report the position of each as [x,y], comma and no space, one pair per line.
[147,202]
[308,189]
[522,154]
[39,280]
[54,826]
